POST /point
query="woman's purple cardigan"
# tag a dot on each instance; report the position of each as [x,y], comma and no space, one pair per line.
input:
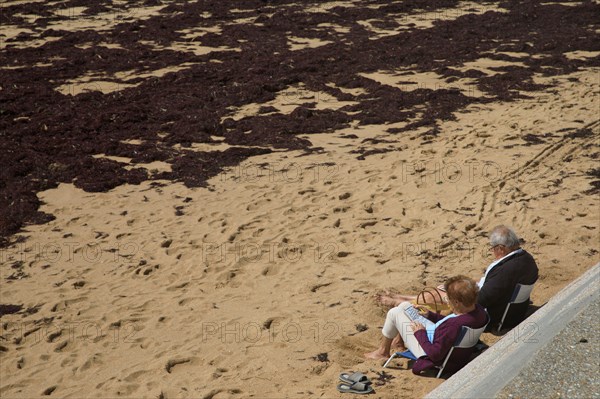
[444,338]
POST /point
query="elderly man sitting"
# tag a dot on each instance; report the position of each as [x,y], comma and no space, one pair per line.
[512,265]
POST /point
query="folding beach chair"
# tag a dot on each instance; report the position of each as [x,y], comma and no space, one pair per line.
[467,338]
[407,354]
[520,295]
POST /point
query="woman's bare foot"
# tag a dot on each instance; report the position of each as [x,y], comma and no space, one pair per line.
[376,355]
[382,293]
[387,300]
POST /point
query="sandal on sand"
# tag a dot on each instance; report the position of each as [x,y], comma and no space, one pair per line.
[351,378]
[357,387]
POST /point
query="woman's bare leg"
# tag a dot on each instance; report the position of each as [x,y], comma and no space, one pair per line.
[398,344]
[393,300]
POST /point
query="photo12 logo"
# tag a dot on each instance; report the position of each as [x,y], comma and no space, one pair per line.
[454,13]
[454,251]
[447,252]
[438,172]
[124,13]
[268,252]
[116,13]
[272,331]
[70,251]
[75,89]
[69,331]
[101,87]
[66,11]
[475,171]
[302,95]
[281,172]
[329,6]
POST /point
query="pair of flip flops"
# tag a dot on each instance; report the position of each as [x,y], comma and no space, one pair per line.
[354,383]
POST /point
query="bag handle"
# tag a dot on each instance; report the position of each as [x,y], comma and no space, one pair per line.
[431,291]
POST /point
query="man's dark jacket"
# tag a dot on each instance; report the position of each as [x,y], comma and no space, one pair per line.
[519,268]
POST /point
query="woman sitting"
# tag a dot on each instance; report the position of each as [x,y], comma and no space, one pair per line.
[430,337]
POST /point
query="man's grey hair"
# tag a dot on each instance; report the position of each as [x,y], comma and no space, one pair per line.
[504,235]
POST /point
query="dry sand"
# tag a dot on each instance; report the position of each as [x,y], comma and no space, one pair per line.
[235,290]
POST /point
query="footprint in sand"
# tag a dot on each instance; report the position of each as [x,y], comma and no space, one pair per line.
[128,390]
[215,392]
[61,346]
[48,391]
[178,286]
[270,270]
[94,360]
[174,362]
[63,305]
[52,337]
[135,375]
[68,361]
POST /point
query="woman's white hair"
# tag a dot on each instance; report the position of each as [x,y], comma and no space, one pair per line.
[504,235]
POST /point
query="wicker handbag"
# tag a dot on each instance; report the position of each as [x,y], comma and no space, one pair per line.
[438,305]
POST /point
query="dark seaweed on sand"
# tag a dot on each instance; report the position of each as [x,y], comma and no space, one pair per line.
[47,137]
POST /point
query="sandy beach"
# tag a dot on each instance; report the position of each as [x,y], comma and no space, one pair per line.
[231,184]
